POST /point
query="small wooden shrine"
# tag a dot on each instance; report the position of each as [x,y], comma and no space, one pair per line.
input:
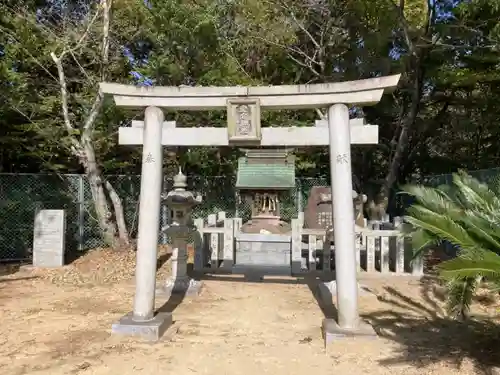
[263,176]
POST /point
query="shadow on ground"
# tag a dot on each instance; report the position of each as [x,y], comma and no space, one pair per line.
[9,268]
[427,337]
[323,297]
[19,279]
[71,257]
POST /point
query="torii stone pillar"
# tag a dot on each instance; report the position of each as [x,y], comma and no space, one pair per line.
[243,105]
[343,216]
[143,321]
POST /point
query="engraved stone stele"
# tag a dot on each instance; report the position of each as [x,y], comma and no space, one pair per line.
[243,120]
[318,213]
[318,210]
[180,202]
[48,238]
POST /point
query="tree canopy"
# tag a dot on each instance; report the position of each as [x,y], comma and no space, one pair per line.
[444,115]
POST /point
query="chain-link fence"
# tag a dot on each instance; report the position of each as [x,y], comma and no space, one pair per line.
[21,195]
[482,175]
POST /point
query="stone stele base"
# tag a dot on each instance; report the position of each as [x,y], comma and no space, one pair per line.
[332,332]
[151,330]
[184,286]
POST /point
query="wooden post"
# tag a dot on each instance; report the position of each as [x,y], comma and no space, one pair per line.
[370,253]
[312,252]
[358,239]
[300,216]
[319,245]
[296,257]
[228,252]
[400,246]
[238,222]
[199,253]
[212,220]
[326,254]
[221,216]
[214,250]
[417,265]
[384,254]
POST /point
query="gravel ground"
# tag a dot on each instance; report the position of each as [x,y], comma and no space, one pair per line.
[58,322]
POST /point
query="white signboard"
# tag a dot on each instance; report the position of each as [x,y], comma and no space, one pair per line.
[48,238]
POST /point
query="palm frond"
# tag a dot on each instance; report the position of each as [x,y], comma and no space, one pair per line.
[485,263]
[495,185]
[466,214]
[474,193]
[482,229]
[420,240]
[459,298]
[431,198]
[440,226]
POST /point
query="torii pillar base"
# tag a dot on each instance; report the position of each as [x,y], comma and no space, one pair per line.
[332,332]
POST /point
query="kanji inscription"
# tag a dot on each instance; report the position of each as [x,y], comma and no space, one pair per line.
[243,120]
[149,159]
[342,159]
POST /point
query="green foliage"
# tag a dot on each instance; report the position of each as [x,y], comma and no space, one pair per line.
[467,215]
[253,42]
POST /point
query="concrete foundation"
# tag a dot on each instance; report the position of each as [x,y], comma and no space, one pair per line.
[330,328]
[332,331]
[150,330]
[252,271]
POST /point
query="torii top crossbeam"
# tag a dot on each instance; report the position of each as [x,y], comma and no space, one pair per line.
[199,98]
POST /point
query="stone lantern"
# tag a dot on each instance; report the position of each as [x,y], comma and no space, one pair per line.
[180,203]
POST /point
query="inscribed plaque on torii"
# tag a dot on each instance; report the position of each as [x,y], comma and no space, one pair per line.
[243,120]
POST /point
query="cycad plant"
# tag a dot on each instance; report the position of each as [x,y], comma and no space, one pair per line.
[467,215]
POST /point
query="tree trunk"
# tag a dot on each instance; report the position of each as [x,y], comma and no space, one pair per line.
[123,235]
[407,123]
[107,226]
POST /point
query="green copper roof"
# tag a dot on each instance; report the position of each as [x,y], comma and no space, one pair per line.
[266,170]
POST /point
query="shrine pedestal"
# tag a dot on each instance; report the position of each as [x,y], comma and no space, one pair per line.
[263,253]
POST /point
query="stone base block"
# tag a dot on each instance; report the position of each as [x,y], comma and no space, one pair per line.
[151,330]
[185,286]
[332,332]
[261,270]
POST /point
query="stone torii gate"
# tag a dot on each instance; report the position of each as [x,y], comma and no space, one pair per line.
[243,105]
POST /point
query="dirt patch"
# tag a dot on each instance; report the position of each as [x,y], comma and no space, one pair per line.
[237,327]
[98,267]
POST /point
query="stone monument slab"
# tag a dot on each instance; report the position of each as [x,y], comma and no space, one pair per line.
[318,210]
[49,238]
[319,207]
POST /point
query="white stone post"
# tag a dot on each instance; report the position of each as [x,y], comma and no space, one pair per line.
[179,257]
[149,216]
[343,214]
